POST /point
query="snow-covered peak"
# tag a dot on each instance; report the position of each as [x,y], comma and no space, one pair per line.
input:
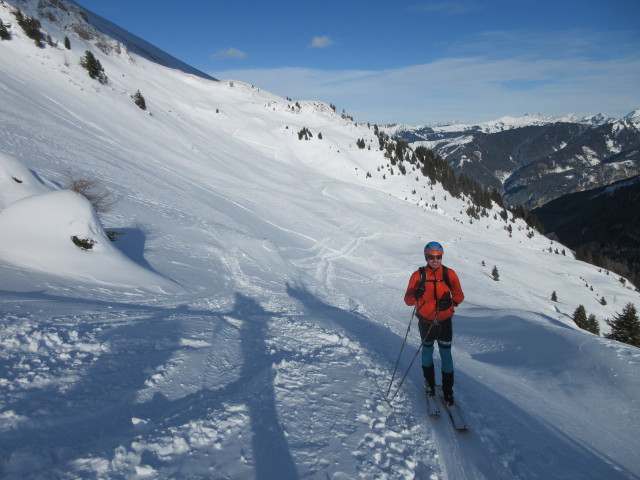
[527,120]
[634,117]
[598,119]
[504,123]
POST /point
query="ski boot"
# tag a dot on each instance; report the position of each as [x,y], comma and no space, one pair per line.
[447,387]
[429,380]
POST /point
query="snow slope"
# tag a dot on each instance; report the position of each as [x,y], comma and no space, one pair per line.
[246,321]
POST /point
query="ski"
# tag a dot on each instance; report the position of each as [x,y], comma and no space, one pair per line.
[432,406]
[454,411]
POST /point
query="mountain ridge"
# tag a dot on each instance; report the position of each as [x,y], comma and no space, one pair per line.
[68,17]
[509,122]
[532,160]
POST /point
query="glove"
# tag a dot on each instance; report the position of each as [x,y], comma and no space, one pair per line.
[445,302]
[418,293]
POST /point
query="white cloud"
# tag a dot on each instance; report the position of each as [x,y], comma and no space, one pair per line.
[456,7]
[229,53]
[471,89]
[321,42]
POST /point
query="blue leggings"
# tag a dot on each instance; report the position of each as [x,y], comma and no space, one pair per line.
[443,334]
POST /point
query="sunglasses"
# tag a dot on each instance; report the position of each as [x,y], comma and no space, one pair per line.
[434,257]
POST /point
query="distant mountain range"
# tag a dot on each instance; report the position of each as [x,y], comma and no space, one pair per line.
[534,159]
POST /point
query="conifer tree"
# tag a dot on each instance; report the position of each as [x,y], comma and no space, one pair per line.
[4,33]
[31,27]
[495,274]
[625,327]
[93,66]
[138,99]
[304,133]
[580,317]
[67,43]
[554,297]
[592,325]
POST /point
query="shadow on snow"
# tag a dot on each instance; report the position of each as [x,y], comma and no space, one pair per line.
[94,417]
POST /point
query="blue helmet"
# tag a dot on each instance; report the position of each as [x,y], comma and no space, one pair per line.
[433,248]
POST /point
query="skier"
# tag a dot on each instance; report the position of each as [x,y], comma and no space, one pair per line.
[436,291]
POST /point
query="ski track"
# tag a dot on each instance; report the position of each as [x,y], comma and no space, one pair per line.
[243,371]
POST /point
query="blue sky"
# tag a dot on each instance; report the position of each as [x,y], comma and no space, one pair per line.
[413,61]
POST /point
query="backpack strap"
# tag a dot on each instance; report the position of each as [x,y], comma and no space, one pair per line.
[445,277]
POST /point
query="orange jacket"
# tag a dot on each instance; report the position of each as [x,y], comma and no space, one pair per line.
[434,290]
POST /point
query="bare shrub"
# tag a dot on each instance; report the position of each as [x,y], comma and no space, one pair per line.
[90,188]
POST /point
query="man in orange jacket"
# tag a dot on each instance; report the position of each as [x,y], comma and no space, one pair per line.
[436,291]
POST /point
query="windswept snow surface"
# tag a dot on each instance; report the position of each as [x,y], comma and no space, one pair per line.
[247,319]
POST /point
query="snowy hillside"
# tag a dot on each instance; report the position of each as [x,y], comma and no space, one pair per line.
[246,320]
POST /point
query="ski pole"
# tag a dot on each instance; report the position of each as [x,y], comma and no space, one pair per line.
[415,355]
[395,369]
